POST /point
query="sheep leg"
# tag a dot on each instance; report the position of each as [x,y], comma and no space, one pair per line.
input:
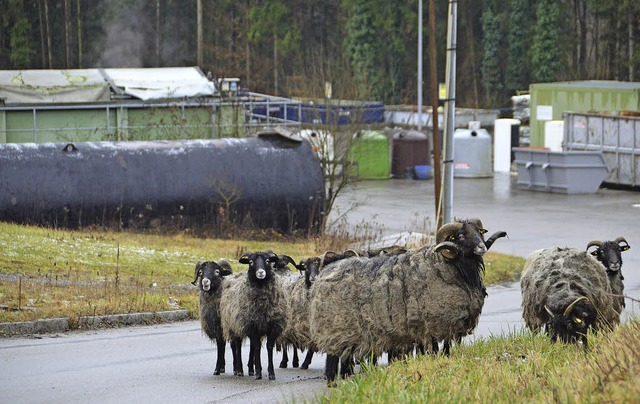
[331,369]
[346,368]
[271,342]
[220,342]
[307,359]
[285,357]
[446,347]
[296,360]
[236,350]
[255,347]
[251,361]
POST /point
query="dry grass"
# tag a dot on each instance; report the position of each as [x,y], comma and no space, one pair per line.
[46,273]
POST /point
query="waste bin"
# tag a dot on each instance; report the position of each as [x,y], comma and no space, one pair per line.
[369,156]
[472,153]
[409,148]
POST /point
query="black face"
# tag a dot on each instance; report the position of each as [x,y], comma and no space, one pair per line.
[209,273]
[610,254]
[261,265]
[311,268]
[469,240]
[573,327]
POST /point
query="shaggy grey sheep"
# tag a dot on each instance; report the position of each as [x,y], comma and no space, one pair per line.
[254,306]
[208,277]
[363,307]
[610,254]
[566,291]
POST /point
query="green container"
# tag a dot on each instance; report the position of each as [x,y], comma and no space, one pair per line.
[549,101]
[369,156]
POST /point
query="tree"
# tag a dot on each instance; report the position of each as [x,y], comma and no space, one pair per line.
[361,44]
[518,66]
[546,58]
[491,61]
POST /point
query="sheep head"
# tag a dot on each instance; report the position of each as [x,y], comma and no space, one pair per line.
[210,272]
[261,265]
[609,253]
[572,325]
[461,238]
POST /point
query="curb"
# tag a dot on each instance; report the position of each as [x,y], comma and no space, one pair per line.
[56,325]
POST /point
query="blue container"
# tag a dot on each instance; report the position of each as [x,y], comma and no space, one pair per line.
[422,172]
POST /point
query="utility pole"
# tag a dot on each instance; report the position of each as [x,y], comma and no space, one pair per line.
[450,112]
[437,163]
[419,64]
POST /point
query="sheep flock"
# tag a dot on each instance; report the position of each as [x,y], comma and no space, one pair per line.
[356,306]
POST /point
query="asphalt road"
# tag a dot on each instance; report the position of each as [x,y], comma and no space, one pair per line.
[173,363]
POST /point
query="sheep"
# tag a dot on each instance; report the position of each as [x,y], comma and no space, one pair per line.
[254,306]
[208,277]
[367,306]
[566,291]
[610,254]
[298,308]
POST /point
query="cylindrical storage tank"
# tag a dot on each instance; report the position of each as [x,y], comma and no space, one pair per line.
[409,148]
[369,156]
[472,153]
[199,184]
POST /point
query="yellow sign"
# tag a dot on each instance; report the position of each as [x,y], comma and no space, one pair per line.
[442,91]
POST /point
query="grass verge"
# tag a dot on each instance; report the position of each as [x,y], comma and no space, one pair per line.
[521,367]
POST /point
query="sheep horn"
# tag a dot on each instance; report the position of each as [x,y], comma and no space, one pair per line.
[597,243]
[324,255]
[448,249]
[286,258]
[494,237]
[446,230]
[570,307]
[354,252]
[549,311]
[197,273]
[622,240]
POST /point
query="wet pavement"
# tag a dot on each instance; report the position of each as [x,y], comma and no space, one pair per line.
[532,220]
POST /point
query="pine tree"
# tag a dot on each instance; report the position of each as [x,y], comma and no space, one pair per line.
[491,74]
[518,67]
[546,46]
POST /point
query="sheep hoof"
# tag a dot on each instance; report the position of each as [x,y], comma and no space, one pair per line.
[272,377]
[251,373]
[239,373]
[216,373]
[296,364]
[283,365]
[304,366]
[259,377]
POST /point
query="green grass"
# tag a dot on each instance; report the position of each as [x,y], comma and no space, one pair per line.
[47,273]
[520,367]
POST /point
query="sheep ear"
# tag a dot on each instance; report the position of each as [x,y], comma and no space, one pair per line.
[244,259]
[447,249]
[225,272]
[621,240]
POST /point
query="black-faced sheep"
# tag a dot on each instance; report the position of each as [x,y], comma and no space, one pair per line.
[363,307]
[566,291]
[254,306]
[208,277]
[610,254]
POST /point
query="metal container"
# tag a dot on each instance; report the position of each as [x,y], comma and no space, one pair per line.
[569,172]
[269,182]
[617,137]
[409,148]
[472,153]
